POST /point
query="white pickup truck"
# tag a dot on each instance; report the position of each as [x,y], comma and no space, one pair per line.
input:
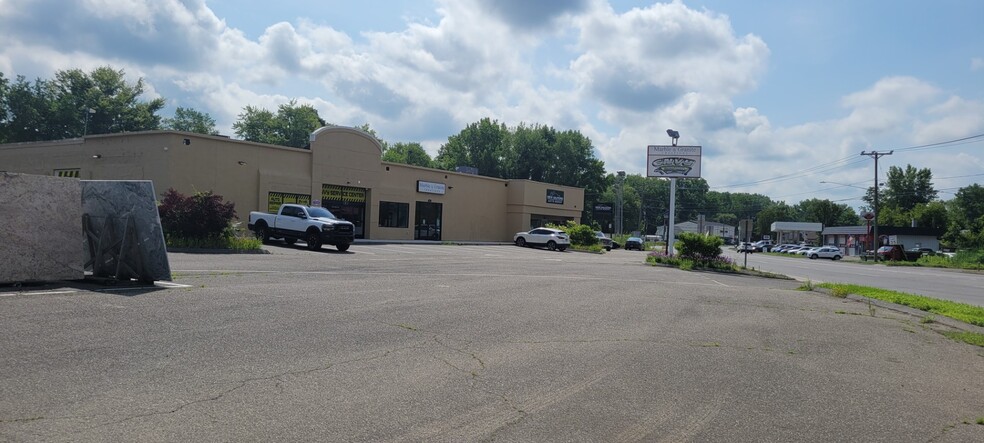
[313,225]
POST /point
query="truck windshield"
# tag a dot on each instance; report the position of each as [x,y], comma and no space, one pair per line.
[321,212]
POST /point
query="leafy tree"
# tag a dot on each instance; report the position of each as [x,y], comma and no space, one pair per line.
[969,203]
[4,107]
[966,224]
[481,145]
[904,189]
[776,212]
[931,215]
[292,125]
[825,212]
[409,154]
[73,104]
[368,130]
[190,120]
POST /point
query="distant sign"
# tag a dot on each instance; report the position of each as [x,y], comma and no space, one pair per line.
[431,187]
[603,208]
[673,161]
[555,197]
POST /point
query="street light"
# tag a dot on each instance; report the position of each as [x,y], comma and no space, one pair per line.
[671,236]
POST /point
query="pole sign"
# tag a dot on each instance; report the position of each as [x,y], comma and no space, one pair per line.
[673,161]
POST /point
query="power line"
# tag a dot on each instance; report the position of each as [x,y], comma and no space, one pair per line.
[845,162]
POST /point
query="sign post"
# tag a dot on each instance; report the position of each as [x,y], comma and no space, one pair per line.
[672,162]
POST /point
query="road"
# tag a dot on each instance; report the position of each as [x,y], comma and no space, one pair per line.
[472,343]
[947,284]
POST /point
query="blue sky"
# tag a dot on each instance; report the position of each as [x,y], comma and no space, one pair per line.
[781,95]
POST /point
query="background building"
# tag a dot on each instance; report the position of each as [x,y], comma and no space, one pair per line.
[341,171]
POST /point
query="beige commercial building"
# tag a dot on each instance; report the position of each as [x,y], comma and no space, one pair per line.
[341,171]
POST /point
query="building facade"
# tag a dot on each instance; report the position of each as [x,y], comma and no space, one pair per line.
[341,171]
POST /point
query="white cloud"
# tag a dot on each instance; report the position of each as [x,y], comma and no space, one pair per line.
[976,64]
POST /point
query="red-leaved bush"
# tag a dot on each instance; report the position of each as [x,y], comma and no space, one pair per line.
[203,215]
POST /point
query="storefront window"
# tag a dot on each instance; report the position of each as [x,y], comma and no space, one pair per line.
[394,215]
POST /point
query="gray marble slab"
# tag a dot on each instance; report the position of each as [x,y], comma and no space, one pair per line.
[123,235]
[40,228]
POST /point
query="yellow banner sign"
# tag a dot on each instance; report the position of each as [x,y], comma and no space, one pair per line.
[342,193]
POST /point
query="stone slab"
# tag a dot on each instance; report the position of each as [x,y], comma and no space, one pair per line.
[40,228]
[123,235]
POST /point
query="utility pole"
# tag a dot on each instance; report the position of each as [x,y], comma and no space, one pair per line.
[620,179]
[874,221]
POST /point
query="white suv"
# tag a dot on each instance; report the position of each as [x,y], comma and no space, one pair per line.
[553,239]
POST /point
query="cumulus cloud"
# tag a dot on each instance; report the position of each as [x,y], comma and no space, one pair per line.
[620,77]
[648,58]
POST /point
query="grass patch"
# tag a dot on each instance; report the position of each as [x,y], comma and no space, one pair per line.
[587,248]
[235,243]
[715,264]
[959,311]
[808,286]
[980,421]
[972,338]
[839,292]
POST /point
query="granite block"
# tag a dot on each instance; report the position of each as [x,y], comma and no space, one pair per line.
[123,235]
[40,229]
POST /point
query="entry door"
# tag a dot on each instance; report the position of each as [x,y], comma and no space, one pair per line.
[427,221]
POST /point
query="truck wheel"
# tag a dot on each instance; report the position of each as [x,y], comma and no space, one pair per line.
[290,241]
[342,247]
[313,241]
[263,233]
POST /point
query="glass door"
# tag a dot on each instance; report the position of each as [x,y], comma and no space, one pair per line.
[427,221]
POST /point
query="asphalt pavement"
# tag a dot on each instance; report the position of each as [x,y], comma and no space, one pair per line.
[472,343]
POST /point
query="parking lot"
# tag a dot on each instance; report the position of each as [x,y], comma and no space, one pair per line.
[471,343]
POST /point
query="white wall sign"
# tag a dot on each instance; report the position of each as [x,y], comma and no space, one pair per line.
[431,187]
[673,161]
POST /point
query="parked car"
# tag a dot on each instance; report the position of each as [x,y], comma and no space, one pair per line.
[831,252]
[792,249]
[745,247]
[921,251]
[633,243]
[781,248]
[763,245]
[553,239]
[604,241]
[806,250]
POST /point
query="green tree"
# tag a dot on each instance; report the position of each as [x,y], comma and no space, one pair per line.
[4,107]
[368,130]
[825,212]
[292,125]
[931,215]
[482,145]
[409,154]
[776,212]
[904,189]
[190,120]
[966,224]
[76,103]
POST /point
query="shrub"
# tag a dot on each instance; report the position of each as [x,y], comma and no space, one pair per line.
[200,216]
[580,235]
[699,247]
